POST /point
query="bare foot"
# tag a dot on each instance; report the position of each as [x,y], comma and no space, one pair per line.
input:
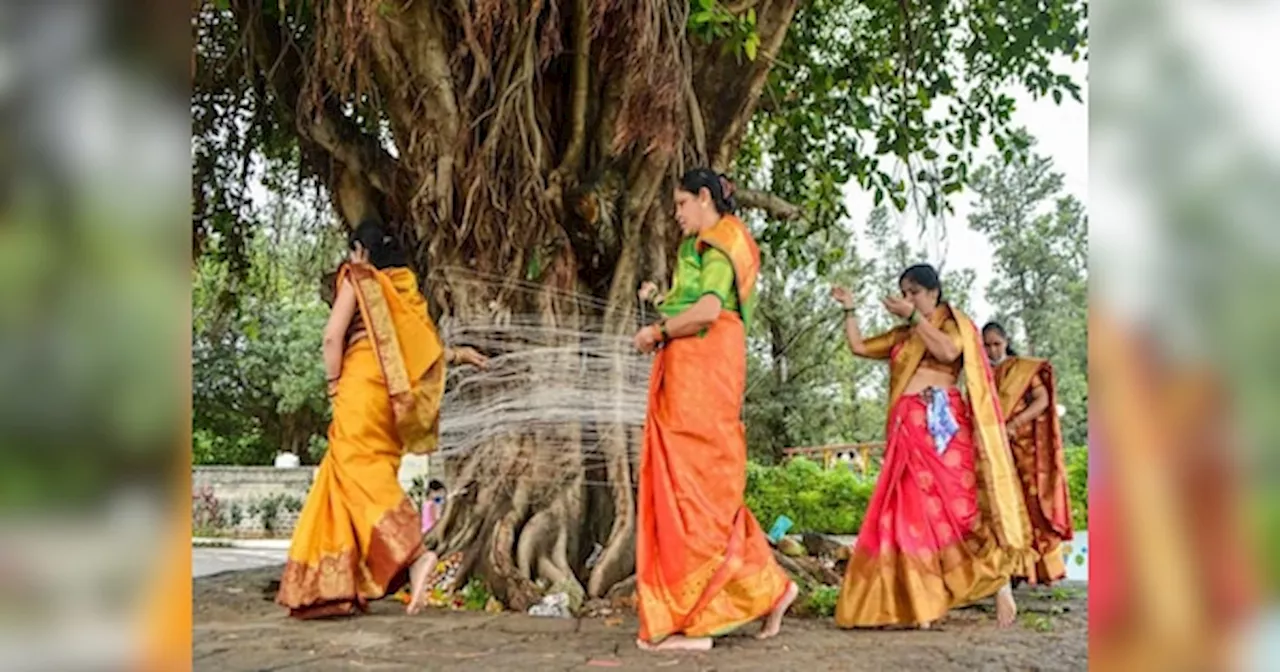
[1006,608]
[926,625]
[774,622]
[676,643]
[418,575]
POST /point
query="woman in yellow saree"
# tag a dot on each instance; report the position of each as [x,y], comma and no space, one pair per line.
[1028,397]
[947,512]
[359,535]
[703,565]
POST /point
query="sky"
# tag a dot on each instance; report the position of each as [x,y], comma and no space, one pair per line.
[1062,132]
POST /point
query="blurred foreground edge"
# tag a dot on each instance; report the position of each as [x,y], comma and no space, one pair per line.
[1172,584]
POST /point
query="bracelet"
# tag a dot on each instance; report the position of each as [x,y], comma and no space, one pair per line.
[662,329]
[850,311]
[333,379]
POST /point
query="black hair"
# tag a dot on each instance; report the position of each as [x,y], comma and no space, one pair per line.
[720,187]
[384,250]
[924,275]
[999,329]
[435,485]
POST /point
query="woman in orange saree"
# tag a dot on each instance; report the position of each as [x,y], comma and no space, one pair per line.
[1026,389]
[359,534]
[947,513]
[703,565]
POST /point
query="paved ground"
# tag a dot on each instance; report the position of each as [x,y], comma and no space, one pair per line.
[237,627]
[209,561]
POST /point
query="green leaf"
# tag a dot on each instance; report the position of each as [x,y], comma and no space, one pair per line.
[751,17]
[534,268]
[1057,96]
[752,44]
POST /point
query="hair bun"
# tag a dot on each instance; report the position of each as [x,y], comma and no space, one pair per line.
[726,187]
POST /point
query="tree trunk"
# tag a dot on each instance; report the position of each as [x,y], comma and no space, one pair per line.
[526,150]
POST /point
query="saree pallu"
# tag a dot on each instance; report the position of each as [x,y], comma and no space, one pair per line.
[1038,456]
[923,547]
[359,532]
[703,565]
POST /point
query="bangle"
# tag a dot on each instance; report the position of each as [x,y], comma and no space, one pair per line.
[662,331]
[914,318]
[333,379]
[850,311]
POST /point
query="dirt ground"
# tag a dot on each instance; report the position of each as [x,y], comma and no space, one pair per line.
[237,627]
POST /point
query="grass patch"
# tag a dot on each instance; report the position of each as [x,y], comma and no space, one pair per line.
[1037,622]
[822,601]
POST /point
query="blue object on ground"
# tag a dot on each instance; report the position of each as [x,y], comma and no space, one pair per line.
[780,527]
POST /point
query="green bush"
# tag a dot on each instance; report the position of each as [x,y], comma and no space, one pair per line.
[822,601]
[816,500]
[834,501]
[1077,459]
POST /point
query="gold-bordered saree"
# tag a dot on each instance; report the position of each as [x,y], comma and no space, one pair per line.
[1038,455]
[703,565]
[941,526]
[358,532]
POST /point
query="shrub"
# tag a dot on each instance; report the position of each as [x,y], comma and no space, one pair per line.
[207,515]
[1077,459]
[822,601]
[268,510]
[816,500]
[834,501]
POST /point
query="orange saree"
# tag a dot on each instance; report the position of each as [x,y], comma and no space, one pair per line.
[703,565]
[1038,455]
[942,522]
[358,533]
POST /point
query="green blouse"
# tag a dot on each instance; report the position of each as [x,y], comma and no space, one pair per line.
[697,275]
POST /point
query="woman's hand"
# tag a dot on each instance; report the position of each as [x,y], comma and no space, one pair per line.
[332,387]
[843,296]
[898,306]
[358,254]
[465,355]
[647,291]
[646,339]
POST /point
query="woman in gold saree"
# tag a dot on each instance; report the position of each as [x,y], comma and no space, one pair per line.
[1027,394]
[359,535]
[947,513]
[703,565]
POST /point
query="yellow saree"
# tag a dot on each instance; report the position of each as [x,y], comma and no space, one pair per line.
[358,532]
